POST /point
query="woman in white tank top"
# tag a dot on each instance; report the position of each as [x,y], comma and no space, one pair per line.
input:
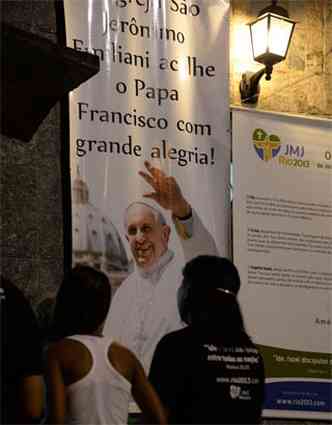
[90,377]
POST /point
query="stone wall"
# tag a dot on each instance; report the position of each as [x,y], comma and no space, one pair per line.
[31,186]
[303,83]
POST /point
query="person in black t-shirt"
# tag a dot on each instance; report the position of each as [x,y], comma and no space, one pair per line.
[209,372]
[22,388]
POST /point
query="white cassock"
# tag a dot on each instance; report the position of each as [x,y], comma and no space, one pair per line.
[144,308]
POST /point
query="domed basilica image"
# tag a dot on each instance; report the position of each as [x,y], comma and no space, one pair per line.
[96,241]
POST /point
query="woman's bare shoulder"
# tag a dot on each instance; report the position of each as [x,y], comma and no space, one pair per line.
[66,348]
[122,359]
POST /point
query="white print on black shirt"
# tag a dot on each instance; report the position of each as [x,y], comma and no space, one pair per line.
[236,392]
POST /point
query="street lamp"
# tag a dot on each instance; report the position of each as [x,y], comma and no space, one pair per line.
[270,34]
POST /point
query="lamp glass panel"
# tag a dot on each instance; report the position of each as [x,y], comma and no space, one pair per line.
[259,36]
[279,36]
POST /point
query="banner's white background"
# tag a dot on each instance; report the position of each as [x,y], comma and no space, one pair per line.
[117,32]
[283,244]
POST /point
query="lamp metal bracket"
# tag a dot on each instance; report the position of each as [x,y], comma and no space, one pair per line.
[249,84]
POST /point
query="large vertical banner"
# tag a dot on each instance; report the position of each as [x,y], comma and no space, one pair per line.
[150,152]
[283,248]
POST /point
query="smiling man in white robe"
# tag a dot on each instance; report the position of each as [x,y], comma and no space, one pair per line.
[144,308]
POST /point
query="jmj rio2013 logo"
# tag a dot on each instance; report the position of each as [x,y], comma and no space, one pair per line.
[266,146]
[269,146]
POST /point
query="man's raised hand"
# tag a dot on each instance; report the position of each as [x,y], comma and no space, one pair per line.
[166,191]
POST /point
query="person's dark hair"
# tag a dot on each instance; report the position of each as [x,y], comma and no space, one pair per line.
[82,302]
[214,272]
[213,283]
